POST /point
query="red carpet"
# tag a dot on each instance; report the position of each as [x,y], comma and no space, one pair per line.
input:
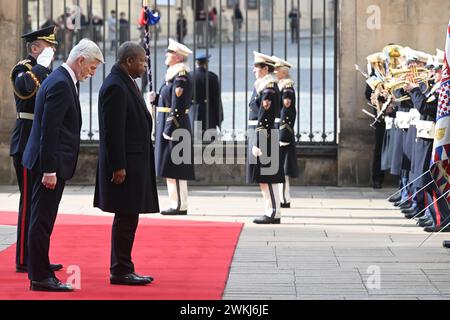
[189,260]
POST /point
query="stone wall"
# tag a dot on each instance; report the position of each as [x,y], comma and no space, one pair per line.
[419,24]
[10,15]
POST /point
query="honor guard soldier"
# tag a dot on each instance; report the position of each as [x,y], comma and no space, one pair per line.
[27,77]
[207,104]
[263,153]
[287,135]
[173,101]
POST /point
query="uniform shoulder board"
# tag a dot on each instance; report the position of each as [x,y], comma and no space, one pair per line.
[26,63]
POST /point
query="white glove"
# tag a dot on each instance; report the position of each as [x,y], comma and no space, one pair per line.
[167,137]
[152,96]
[256,152]
[284,144]
[46,57]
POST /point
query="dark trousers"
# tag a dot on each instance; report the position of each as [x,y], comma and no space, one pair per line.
[44,208]
[26,187]
[377,173]
[123,233]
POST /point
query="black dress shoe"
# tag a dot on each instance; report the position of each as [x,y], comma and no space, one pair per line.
[398,203]
[434,229]
[425,223]
[414,214]
[51,285]
[410,210]
[446,244]
[395,199]
[405,206]
[286,205]
[174,212]
[131,279]
[266,220]
[24,269]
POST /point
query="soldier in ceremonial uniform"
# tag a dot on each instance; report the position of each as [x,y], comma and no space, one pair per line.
[287,135]
[26,77]
[263,153]
[206,109]
[173,101]
[426,103]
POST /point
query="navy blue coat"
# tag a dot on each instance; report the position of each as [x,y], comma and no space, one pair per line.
[54,142]
[125,143]
[199,105]
[264,108]
[423,148]
[175,94]
[287,132]
[26,77]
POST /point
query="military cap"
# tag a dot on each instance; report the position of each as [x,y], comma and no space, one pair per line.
[281,63]
[263,59]
[202,57]
[46,34]
[178,48]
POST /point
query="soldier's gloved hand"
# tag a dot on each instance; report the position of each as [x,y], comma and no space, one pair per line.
[152,96]
[284,144]
[256,152]
[46,57]
[167,137]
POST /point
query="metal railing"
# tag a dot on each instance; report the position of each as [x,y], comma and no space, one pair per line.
[266,27]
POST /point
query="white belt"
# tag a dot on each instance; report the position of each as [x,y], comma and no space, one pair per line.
[403,120]
[389,122]
[25,115]
[415,116]
[426,129]
[255,122]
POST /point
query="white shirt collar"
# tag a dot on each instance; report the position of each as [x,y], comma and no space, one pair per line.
[72,74]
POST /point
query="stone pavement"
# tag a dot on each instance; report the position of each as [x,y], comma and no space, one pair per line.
[335,243]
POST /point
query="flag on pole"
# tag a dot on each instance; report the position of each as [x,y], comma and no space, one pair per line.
[148,18]
[440,166]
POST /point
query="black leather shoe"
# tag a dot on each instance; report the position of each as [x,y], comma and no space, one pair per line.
[174,212]
[405,206]
[395,199]
[131,279]
[24,269]
[446,244]
[398,203]
[413,215]
[50,284]
[286,205]
[410,210]
[434,229]
[266,220]
[425,223]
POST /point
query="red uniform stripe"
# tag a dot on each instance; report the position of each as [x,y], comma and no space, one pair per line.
[436,208]
[24,215]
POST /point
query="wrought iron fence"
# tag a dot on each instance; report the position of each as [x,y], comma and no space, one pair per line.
[268,26]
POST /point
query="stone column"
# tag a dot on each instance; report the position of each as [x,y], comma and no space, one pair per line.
[421,25]
[10,52]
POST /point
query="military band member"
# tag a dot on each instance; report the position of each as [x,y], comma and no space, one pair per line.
[287,135]
[27,77]
[264,118]
[426,104]
[174,99]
